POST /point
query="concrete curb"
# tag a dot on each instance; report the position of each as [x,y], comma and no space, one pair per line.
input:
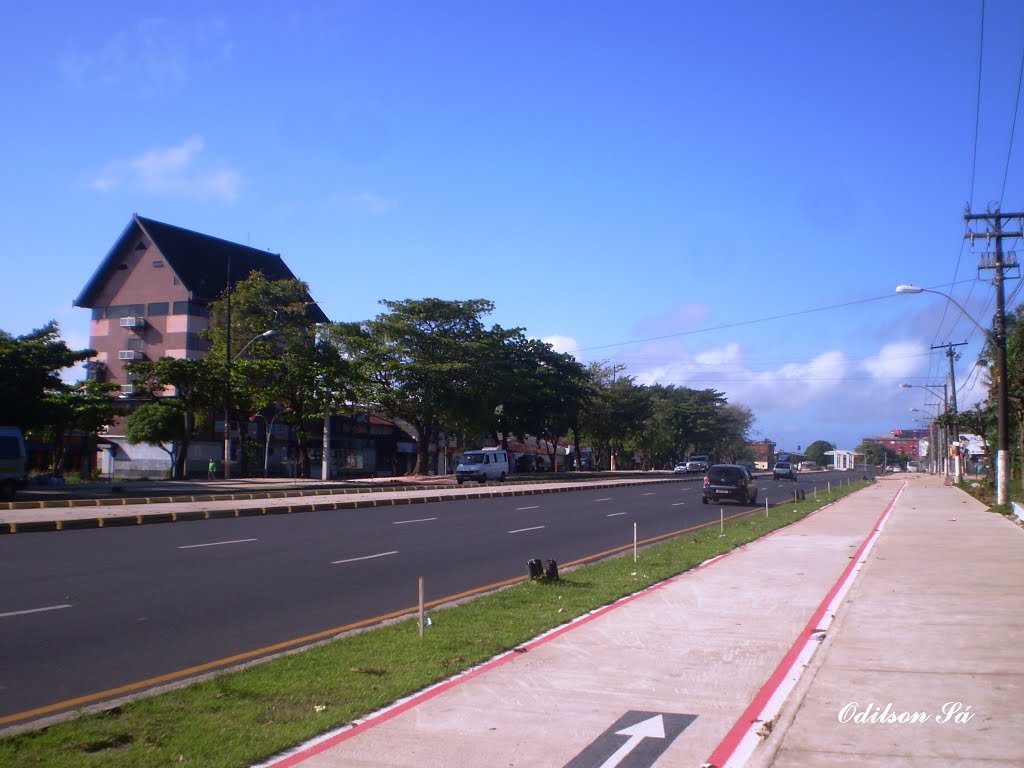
[152,518]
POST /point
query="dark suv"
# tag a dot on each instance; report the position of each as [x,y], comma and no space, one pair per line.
[729,481]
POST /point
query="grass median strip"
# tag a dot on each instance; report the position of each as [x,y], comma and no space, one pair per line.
[241,718]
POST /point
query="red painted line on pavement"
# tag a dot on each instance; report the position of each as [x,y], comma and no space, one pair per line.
[304,753]
[331,741]
[724,751]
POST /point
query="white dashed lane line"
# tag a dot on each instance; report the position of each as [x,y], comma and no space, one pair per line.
[615,514]
[607,499]
[523,509]
[679,504]
[33,610]
[217,543]
[421,520]
[366,557]
[650,493]
[524,530]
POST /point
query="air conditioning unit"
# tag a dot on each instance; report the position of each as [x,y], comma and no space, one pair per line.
[127,389]
[128,354]
[133,322]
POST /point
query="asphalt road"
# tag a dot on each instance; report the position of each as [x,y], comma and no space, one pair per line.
[89,611]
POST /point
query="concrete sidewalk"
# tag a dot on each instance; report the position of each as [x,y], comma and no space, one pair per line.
[904,594]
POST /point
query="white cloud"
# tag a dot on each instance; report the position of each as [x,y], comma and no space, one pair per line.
[562,343]
[896,360]
[170,171]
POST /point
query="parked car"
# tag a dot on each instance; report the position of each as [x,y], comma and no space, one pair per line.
[784,469]
[488,464]
[13,461]
[729,481]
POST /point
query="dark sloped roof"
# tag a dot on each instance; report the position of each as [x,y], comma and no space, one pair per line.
[200,262]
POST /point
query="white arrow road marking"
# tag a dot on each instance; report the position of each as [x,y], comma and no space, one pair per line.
[367,557]
[216,543]
[421,520]
[523,530]
[33,610]
[652,728]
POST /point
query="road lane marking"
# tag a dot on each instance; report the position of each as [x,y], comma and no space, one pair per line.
[523,530]
[421,520]
[34,610]
[297,642]
[615,514]
[217,543]
[679,504]
[367,557]
[523,509]
[608,499]
[651,493]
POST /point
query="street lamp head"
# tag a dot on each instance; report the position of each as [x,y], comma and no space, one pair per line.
[909,289]
[267,334]
[906,386]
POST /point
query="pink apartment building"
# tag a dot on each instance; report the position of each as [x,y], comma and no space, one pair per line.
[150,298]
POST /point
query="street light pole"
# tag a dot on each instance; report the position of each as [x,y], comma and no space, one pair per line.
[944,452]
[998,342]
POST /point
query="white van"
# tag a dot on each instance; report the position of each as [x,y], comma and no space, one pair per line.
[13,461]
[488,464]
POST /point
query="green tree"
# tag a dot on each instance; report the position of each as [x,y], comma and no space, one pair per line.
[189,388]
[30,367]
[816,452]
[157,424]
[615,412]
[423,357]
[86,406]
[286,368]
[557,389]
[874,453]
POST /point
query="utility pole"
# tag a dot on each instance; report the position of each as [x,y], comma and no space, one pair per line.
[996,232]
[957,474]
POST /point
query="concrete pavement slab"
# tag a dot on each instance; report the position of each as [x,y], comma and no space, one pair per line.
[933,626]
[702,644]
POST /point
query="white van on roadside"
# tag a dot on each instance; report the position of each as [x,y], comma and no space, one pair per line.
[13,461]
[482,466]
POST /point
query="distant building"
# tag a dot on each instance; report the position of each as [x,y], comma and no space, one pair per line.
[150,297]
[764,454]
[913,443]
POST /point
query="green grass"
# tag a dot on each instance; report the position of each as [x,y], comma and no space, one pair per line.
[240,718]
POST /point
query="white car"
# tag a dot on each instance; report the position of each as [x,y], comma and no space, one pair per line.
[680,469]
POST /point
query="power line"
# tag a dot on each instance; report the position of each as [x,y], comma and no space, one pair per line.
[1013,128]
[977,109]
[740,324]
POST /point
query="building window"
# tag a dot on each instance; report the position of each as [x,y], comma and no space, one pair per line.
[190,308]
[196,343]
[135,343]
[158,309]
[157,264]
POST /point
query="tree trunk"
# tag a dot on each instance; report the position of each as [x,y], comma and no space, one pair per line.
[422,449]
[576,449]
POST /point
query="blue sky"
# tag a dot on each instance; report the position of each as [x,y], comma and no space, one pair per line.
[713,194]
